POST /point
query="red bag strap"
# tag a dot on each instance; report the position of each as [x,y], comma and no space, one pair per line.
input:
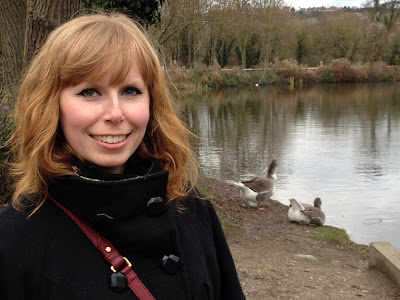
[111,255]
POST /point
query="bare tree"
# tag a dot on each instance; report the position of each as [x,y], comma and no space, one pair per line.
[242,12]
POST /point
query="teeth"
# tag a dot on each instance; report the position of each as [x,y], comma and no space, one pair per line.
[110,139]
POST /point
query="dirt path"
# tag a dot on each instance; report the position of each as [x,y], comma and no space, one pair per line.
[277,259]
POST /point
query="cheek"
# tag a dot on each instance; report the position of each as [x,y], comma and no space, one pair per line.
[140,117]
[74,117]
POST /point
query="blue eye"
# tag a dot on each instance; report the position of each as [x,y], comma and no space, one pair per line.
[89,92]
[131,91]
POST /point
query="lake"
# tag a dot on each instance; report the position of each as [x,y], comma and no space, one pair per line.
[337,142]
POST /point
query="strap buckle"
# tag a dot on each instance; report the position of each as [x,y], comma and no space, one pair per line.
[127,262]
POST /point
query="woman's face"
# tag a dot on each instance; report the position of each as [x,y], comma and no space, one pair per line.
[105,124]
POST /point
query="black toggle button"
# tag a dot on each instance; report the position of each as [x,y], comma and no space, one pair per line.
[104,218]
[170,264]
[155,206]
[118,282]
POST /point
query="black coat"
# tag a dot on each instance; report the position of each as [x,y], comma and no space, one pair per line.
[47,256]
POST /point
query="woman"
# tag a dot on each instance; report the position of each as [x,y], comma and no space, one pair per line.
[96,134]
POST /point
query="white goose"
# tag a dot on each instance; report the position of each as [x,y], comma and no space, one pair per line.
[251,198]
[306,213]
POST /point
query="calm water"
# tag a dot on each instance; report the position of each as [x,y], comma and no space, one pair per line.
[338,142]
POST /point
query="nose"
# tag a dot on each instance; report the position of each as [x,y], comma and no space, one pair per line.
[113,111]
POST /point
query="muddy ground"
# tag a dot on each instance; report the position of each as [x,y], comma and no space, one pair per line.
[277,259]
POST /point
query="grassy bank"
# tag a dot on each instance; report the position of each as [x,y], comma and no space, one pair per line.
[278,259]
[223,196]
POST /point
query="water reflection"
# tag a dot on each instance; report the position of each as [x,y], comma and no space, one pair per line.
[338,142]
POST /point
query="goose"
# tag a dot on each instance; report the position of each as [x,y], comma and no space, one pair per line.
[251,198]
[306,213]
[261,183]
[262,187]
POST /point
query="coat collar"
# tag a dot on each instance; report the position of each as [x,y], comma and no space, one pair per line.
[98,197]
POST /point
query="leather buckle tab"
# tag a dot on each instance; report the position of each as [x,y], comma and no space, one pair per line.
[127,262]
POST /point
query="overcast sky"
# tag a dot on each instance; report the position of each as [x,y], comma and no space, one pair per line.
[327,3]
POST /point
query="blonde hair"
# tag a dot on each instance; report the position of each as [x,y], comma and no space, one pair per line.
[89,47]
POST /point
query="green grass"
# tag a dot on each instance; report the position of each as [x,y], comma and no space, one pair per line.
[205,192]
[340,237]
[274,202]
[228,226]
[332,234]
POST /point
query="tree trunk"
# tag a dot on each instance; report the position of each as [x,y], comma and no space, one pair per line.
[23,30]
[242,50]
[12,23]
[42,17]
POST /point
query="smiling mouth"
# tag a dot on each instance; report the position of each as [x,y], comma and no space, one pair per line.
[110,139]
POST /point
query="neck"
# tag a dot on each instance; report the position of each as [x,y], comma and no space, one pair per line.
[114,170]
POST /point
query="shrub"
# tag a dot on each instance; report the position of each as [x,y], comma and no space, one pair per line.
[380,71]
[344,71]
[177,74]
[396,72]
[361,72]
[287,68]
[324,74]
[205,80]
[308,76]
[239,77]
[216,78]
